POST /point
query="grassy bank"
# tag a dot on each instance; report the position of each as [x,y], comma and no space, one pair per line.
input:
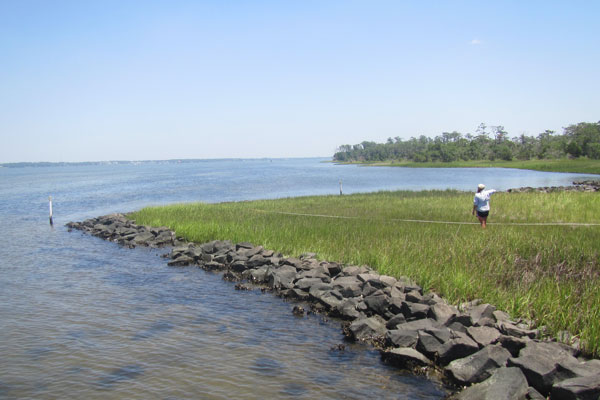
[547,273]
[579,165]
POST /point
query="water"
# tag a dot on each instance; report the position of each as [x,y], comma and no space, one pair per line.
[85,318]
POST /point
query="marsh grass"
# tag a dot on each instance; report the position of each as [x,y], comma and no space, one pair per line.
[578,165]
[546,273]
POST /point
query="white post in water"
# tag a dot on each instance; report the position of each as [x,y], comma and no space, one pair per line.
[50,202]
[341,193]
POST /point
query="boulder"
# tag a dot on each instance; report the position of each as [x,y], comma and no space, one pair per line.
[367,328]
[478,366]
[459,347]
[306,283]
[349,286]
[378,303]
[442,313]
[483,335]
[504,384]
[579,388]
[281,277]
[428,345]
[402,337]
[405,357]
[414,310]
[539,361]
[396,320]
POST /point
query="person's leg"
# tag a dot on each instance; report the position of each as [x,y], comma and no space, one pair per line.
[483,222]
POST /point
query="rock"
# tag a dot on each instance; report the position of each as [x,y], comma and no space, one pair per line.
[480,313]
[348,309]
[317,290]
[306,283]
[405,357]
[459,347]
[257,260]
[181,261]
[367,328]
[483,335]
[396,320]
[414,310]
[504,384]
[402,338]
[281,277]
[513,330]
[580,388]
[377,303]
[539,362]
[349,286]
[298,294]
[512,344]
[442,313]
[478,366]
[428,345]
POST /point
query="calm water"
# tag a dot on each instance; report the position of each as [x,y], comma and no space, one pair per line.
[84,318]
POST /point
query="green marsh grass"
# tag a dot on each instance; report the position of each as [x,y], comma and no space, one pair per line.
[550,274]
[577,165]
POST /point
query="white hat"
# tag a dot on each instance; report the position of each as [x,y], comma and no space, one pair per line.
[481,186]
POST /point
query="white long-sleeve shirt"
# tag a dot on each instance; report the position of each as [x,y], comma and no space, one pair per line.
[482,199]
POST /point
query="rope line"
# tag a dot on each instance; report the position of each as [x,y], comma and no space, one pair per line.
[424,221]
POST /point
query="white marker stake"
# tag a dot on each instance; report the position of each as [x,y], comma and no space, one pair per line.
[50,202]
[341,193]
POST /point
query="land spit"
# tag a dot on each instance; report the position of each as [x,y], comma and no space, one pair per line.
[478,351]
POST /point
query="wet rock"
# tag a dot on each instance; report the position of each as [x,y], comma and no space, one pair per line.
[281,277]
[367,328]
[478,366]
[181,261]
[347,309]
[405,357]
[504,384]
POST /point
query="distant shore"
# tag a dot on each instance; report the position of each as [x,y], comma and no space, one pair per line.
[583,166]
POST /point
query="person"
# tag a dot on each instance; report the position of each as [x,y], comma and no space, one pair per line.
[481,203]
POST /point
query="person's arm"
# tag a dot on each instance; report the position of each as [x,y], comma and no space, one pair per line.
[474,208]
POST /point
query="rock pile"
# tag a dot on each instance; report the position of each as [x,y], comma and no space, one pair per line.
[475,347]
[578,186]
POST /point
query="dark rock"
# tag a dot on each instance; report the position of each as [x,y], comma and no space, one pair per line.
[481,312]
[281,277]
[580,388]
[299,311]
[504,384]
[334,269]
[413,297]
[181,261]
[512,344]
[349,286]
[478,366]
[459,347]
[414,310]
[317,290]
[405,357]
[442,313]
[213,266]
[377,303]
[396,320]
[306,283]
[244,245]
[347,309]
[298,294]
[539,362]
[428,345]
[513,330]
[402,337]
[483,335]
[294,262]
[259,275]
[238,266]
[367,328]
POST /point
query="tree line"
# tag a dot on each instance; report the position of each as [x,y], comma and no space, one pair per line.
[488,143]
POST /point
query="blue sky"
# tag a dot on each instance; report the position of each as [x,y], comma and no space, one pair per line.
[137,80]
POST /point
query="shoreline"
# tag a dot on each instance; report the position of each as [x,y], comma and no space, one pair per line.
[591,167]
[473,345]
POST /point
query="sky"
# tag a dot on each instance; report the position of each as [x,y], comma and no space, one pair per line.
[155,80]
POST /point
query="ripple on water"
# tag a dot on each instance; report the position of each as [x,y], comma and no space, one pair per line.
[268,367]
[125,373]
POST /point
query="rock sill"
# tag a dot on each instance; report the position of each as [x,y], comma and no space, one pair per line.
[475,350]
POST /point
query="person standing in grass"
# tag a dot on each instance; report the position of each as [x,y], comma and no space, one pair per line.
[481,203]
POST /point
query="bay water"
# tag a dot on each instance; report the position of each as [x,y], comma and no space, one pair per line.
[85,318]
